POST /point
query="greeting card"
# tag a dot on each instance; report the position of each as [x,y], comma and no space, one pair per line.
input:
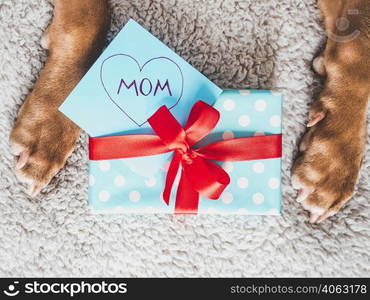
[131,79]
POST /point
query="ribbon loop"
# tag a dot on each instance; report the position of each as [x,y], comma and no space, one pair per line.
[203,118]
[169,129]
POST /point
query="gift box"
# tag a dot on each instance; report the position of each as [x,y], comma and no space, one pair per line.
[132,101]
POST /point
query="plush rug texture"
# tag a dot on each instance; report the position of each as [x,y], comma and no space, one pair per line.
[267,44]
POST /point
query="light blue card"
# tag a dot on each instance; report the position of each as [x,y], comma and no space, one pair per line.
[134,76]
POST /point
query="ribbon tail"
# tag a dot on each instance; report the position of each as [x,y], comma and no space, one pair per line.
[206,177]
[187,199]
[170,178]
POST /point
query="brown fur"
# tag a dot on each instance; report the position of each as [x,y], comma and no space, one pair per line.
[42,137]
[332,150]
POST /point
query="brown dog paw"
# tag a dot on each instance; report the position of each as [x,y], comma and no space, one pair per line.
[326,170]
[41,140]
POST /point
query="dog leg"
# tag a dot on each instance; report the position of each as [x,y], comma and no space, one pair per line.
[43,138]
[326,171]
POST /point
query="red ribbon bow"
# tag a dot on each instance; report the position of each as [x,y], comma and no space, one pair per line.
[199,174]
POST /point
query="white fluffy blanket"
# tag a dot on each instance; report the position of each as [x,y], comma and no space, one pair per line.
[236,43]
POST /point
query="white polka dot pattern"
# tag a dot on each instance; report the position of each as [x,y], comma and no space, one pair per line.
[134,196]
[244,120]
[260,105]
[136,187]
[258,167]
[258,198]
[227,197]
[119,180]
[244,92]
[275,121]
[150,182]
[274,183]
[104,165]
[228,134]
[229,105]
[104,195]
[243,182]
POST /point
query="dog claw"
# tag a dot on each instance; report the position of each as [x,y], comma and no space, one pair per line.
[35,189]
[314,218]
[325,215]
[316,118]
[302,194]
[319,65]
[22,159]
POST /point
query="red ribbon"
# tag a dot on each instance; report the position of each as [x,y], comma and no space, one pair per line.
[199,175]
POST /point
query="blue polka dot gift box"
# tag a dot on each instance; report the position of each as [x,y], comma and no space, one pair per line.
[134,77]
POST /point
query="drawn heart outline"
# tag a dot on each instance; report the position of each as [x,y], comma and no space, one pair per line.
[140,69]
